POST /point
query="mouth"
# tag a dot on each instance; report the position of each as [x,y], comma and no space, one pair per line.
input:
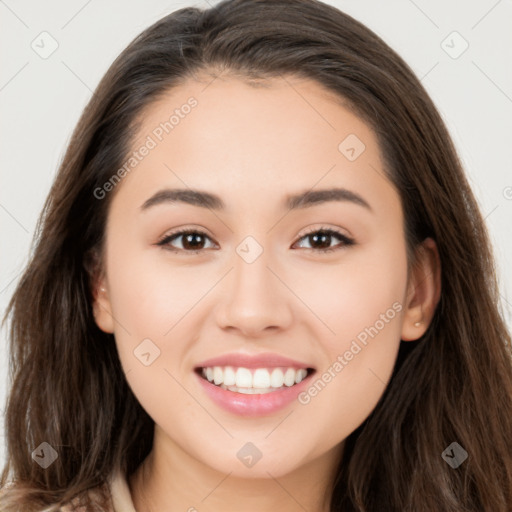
[253,381]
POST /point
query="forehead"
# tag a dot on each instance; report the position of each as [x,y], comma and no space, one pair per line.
[282,134]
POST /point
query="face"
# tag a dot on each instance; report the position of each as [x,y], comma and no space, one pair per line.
[300,304]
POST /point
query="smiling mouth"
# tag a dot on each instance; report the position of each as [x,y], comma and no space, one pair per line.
[254,381]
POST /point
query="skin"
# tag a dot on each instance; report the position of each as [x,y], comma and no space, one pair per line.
[252,146]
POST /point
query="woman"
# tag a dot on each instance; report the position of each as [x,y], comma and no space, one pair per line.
[180,341]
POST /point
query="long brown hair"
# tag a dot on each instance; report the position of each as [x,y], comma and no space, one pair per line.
[452,385]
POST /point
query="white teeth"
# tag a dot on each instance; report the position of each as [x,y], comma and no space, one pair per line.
[289,377]
[229,376]
[218,376]
[243,378]
[277,378]
[259,380]
[300,376]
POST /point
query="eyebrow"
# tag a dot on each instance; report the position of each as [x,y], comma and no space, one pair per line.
[298,201]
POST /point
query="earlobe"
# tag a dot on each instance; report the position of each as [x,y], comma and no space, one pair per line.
[423,291]
[102,308]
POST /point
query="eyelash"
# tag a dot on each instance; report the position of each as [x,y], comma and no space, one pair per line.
[164,242]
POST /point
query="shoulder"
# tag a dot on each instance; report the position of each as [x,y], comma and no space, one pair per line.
[118,492]
[97,499]
[113,496]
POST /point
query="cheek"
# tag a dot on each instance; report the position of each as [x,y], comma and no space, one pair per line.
[150,295]
[361,304]
[152,303]
[352,294]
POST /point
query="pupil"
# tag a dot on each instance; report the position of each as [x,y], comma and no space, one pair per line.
[192,236]
[323,237]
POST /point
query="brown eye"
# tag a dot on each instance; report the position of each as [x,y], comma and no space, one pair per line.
[320,240]
[192,241]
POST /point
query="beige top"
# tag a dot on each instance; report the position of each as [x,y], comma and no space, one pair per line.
[121,497]
[119,490]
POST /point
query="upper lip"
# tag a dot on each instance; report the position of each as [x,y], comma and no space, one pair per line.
[263,360]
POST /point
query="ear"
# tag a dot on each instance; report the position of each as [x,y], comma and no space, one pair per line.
[423,291]
[101,306]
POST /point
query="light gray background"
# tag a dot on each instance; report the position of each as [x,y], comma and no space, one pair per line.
[41,99]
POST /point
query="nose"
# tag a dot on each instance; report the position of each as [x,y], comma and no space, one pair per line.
[255,301]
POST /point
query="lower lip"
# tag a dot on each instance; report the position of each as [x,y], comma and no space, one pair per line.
[253,405]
